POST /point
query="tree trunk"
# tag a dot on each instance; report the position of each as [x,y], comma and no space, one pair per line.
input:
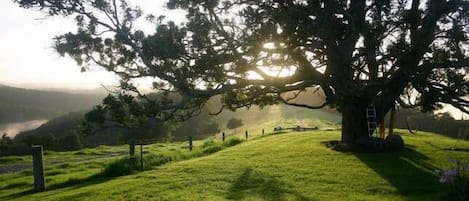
[354,124]
[392,120]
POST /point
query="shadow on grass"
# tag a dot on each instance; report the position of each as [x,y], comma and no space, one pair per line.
[254,183]
[408,171]
[73,183]
[454,148]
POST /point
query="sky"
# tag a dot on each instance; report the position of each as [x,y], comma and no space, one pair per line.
[27,57]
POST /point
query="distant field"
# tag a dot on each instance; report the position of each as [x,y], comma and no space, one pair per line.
[288,166]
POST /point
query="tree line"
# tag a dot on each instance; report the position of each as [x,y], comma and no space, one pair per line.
[65,133]
[442,123]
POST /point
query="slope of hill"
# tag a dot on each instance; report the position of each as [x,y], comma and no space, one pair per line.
[199,127]
[290,166]
[18,104]
[52,133]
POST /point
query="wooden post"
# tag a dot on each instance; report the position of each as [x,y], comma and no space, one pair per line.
[141,156]
[392,120]
[262,131]
[223,136]
[132,149]
[246,135]
[382,129]
[38,168]
[190,143]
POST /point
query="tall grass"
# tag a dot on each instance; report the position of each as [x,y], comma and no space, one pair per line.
[127,165]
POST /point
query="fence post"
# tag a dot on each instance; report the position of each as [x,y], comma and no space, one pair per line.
[262,131]
[141,156]
[132,149]
[246,135]
[190,143]
[38,168]
[223,136]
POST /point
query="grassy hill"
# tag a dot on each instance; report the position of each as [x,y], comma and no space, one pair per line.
[288,166]
[18,104]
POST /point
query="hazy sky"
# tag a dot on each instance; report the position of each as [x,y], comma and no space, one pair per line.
[26,55]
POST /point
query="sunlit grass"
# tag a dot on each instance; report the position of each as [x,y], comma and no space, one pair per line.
[64,169]
[289,166]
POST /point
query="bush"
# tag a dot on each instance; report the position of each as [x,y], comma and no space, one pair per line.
[457,179]
[232,142]
[212,149]
[153,160]
[208,143]
[127,165]
[120,167]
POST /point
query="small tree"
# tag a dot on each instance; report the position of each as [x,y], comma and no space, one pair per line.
[5,139]
[234,123]
[71,142]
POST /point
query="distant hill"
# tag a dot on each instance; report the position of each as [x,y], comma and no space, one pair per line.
[58,126]
[53,133]
[17,104]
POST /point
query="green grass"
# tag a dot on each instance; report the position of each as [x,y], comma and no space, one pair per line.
[63,169]
[289,166]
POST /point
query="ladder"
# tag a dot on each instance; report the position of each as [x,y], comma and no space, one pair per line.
[373,127]
[371,119]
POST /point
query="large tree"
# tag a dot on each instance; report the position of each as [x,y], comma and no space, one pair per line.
[355,53]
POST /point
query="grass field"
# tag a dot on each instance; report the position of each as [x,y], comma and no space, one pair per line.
[287,166]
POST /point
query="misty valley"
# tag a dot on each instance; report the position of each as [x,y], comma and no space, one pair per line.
[12,129]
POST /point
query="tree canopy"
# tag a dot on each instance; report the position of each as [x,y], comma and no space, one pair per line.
[353,53]
[234,123]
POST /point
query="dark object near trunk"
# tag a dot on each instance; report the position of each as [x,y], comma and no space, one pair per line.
[394,143]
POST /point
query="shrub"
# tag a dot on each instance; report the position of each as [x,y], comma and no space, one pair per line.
[120,167]
[152,160]
[208,143]
[232,142]
[126,165]
[212,149]
[457,179]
